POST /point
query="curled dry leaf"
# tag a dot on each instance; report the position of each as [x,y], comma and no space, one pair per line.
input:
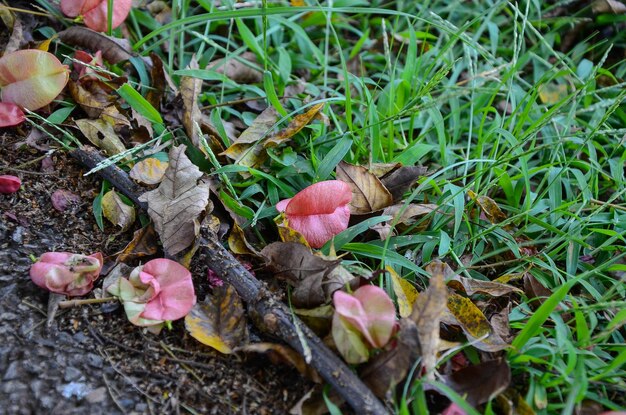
[427,314]
[144,243]
[480,383]
[235,68]
[401,180]
[219,321]
[368,193]
[295,126]
[403,216]
[279,353]
[190,89]
[116,211]
[149,170]
[472,286]
[31,78]
[113,50]
[314,278]
[247,150]
[177,203]
[10,115]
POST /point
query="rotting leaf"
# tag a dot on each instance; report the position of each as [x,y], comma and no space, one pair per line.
[238,243]
[368,193]
[149,170]
[158,82]
[294,127]
[389,368]
[480,383]
[116,211]
[101,134]
[489,207]
[236,70]
[279,353]
[403,216]
[464,313]
[406,293]
[427,314]
[144,243]
[247,149]
[219,321]
[535,290]
[177,203]
[402,179]
[190,89]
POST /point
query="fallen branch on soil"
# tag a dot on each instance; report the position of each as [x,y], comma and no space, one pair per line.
[274,317]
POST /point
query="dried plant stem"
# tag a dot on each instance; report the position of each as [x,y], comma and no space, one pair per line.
[79,303]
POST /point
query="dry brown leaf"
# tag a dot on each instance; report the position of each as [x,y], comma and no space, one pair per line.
[402,179]
[309,274]
[113,50]
[144,243]
[219,320]
[279,353]
[381,169]
[427,314]
[158,83]
[149,170]
[480,383]
[97,99]
[368,193]
[535,290]
[190,89]
[389,368]
[403,216]
[177,203]
[235,68]
[471,286]
[116,211]
[247,150]
[489,207]
[294,127]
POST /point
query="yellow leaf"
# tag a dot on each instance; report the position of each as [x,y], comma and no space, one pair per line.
[219,321]
[288,234]
[45,45]
[149,170]
[298,3]
[551,94]
[406,294]
[116,211]
[488,206]
[237,242]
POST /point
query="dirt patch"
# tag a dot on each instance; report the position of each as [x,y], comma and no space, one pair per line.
[91,359]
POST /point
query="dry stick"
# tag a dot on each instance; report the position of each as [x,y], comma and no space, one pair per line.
[276,318]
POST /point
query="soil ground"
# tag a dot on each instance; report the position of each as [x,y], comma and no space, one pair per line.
[91,360]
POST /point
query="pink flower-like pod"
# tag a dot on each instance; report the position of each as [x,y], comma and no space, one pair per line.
[9,184]
[319,212]
[94,12]
[170,288]
[31,78]
[10,114]
[369,310]
[67,273]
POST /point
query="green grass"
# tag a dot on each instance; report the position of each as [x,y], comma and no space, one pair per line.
[427,83]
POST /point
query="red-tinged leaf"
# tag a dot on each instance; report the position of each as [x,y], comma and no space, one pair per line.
[319,212]
[31,78]
[10,115]
[9,184]
[62,199]
[95,14]
[67,273]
